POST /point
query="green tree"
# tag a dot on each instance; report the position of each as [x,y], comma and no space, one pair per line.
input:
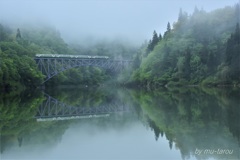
[159,37]
[182,18]
[233,54]
[153,42]
[18,35]
[166,34]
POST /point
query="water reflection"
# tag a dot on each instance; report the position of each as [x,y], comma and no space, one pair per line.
[206,120]
[53,109]
[187,123]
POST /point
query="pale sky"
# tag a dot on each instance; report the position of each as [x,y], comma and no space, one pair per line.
[134,20]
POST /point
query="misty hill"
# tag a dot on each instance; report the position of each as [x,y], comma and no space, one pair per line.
[198,48]
[115,48]
[19,46]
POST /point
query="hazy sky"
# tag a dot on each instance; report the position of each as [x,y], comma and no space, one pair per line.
[130,19]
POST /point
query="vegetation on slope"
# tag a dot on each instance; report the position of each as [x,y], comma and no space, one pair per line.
[202,48]
[18,48]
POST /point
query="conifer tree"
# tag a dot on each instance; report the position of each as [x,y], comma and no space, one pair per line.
[153,42]
[233,54]
[149,47]
[168,27]
[159,37]
[18,36]
[168,30]
[180,15]
[154,39]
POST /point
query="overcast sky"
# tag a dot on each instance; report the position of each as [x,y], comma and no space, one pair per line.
[131,19]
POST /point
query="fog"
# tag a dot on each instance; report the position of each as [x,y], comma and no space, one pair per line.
[132,20]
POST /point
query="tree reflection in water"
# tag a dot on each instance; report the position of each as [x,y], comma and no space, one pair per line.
[189,118]
[194,118]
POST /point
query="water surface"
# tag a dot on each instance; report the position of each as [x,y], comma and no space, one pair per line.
[102,123]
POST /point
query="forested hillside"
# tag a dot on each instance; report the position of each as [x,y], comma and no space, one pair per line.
[17,67]
[19,46]
[202,48]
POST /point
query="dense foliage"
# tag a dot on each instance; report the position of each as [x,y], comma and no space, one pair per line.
[201,48]
[18,48]
[17,67]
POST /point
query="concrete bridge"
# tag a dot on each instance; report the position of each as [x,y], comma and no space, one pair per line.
[52,109]
[52,64]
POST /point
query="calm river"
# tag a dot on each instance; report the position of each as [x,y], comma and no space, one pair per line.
[104,123]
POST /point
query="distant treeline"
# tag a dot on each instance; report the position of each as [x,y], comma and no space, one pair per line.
[202,48]
[19,46]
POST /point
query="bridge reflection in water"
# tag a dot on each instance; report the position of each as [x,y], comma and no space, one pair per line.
[52,109]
